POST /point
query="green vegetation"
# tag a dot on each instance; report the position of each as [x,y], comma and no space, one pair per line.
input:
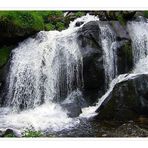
[145,14]
[49,27]
[22,19]
[4,55]
[36,20]
[79,14]
[121,19]
[60,25]
[30,133]
[10,135]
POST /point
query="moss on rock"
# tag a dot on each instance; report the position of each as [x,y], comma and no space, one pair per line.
[4,55]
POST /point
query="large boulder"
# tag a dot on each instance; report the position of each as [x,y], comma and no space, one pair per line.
[89,40]
[10,133]
[127,101]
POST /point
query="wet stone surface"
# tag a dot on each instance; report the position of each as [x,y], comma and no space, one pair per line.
[93,128]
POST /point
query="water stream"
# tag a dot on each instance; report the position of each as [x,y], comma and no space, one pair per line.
[45,70]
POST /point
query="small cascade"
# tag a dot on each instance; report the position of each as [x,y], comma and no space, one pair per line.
[45,72]
[46,68]
[109,45]
[46,75]
[139,34]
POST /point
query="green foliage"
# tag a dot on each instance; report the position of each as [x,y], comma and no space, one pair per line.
[49,27]
[4,54]
[9,135]
[121,19]
[55,13]
[79,14]
[60,26]
[28,21]
[145,14]
[30,133]
[36,20]
[23,19]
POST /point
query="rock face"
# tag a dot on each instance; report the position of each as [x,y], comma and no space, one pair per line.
[12,34]
[10,133]
[90,44]
[3,75]
[128,100]
[89,40]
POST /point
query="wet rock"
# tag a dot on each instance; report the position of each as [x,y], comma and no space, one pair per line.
[128,100]
[11,133]
[89,40]
[73,104]
[79,24]
[3,85]
[125,57]
[130,130]
[90,44]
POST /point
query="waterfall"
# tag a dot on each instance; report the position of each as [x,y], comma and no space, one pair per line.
[139,35]
[45,71]
[109,45]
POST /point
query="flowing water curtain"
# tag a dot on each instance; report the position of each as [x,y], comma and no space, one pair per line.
[109,45]
[139,35]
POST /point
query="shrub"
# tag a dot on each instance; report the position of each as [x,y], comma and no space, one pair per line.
[60,26]
[79,14]
[145,13]
[23,19]
[49,27]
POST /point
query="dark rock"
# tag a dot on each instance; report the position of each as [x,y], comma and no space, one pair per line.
[3,76]
[78,24]
[125,57]
[89,40]
[11,133]
[73,104]
[130,129]
[90,45]
[11,34]
[114,15]
[128,100]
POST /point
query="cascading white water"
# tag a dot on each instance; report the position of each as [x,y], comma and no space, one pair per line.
[44,71]
[109,45]
[139,35]
[47,68]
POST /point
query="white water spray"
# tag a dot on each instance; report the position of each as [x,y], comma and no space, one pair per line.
[109,45]
[44,70]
